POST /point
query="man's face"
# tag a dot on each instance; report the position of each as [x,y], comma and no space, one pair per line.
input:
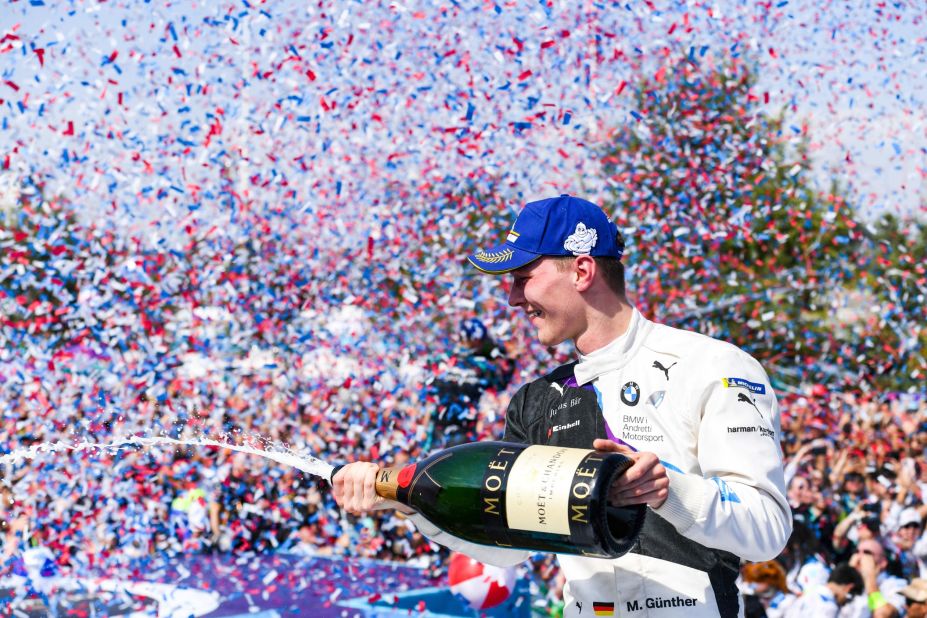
[550,299]
[801,492]
[907,535]
[915,609]
[842,593]
[854,485]
[869,547]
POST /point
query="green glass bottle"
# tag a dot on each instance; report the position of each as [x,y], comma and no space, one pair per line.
[543,498]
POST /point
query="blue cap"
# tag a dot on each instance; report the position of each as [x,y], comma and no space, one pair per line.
[562,225]
[472,329]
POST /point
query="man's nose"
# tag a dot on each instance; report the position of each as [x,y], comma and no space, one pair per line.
[516,297]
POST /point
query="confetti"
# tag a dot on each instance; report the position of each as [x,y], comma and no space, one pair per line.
[241,220]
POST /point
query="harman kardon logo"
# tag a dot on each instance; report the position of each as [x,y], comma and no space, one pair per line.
[557,428]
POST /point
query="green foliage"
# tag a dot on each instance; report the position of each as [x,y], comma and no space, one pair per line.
[726,233]
[892,328]
[40,255]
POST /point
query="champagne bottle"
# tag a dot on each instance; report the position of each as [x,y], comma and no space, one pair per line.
[535,497]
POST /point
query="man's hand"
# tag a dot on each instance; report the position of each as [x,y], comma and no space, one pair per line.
[868,569]
[353,487]
[645,482]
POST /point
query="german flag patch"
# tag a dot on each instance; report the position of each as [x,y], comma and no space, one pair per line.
[603,609]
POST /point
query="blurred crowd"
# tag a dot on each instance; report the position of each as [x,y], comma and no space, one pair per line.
[234,343]
[856,476]
[857,481]
[112,507]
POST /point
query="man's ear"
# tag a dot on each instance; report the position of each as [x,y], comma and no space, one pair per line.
[584,267]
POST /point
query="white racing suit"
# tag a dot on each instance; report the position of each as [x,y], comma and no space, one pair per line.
[707,410]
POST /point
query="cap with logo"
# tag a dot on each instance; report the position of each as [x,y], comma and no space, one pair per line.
[472,329]
[558,226]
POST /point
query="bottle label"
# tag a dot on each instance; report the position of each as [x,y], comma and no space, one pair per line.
[539,486]
[493,491]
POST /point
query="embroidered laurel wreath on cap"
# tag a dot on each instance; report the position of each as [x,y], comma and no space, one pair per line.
[581,241]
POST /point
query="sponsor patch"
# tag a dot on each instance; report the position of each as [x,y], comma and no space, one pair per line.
[763,431]
[665,370]
[656,398]
[630,394]
[581,241]
[753,387]
[557,428]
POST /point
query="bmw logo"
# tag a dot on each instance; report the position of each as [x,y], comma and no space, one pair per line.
[630,394]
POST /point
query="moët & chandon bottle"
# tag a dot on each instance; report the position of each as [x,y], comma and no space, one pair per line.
[536,497]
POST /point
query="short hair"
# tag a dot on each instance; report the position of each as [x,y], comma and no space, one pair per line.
[612,271]
[843,574]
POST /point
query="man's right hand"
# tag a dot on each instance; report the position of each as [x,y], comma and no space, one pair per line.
[868,569]
[354,489]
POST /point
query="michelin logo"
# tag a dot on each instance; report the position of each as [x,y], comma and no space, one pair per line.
[753,387]
[581,241]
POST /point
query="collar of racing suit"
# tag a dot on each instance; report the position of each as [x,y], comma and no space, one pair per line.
[616,354]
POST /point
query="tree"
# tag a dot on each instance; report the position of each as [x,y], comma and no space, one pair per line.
[41,240]
[891,325]
[726,234]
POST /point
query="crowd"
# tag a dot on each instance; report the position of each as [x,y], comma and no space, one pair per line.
[263,239]
[856,475]
[159,345]
[100,503]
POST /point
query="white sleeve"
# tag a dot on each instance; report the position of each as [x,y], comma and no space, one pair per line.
[496,556]
[856,607]
[738,502]
[814,603]
[890,587]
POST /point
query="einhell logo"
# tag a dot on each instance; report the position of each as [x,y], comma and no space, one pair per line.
[557,428]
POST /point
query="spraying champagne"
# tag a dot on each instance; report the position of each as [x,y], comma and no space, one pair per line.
[543,498]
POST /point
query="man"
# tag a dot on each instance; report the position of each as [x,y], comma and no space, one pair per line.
[477,367]
[825,600]
[902,545]
[881,596]
[697,416]
[915,595]
[852,492]
[804,496]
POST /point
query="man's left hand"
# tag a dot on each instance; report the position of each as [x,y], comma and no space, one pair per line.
[645,482]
